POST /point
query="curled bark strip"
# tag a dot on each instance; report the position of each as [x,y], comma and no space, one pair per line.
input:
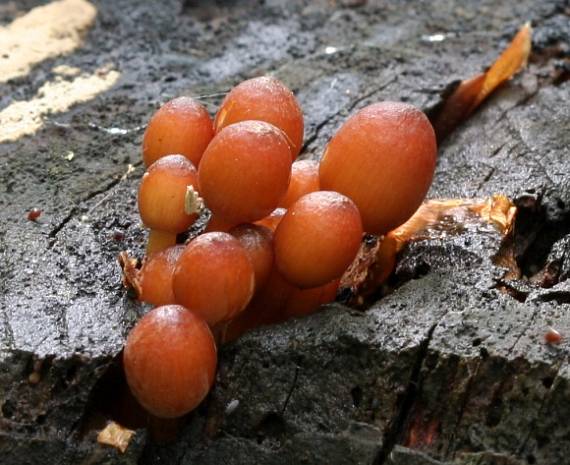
[376,260]
[470,93]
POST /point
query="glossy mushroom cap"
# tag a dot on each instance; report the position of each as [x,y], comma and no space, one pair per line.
[267,99]
[170,361]
[383,158]
[182,126]
[162,194]
[317,239]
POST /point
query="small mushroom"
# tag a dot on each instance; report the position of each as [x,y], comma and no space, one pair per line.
[170,361]
[168,200]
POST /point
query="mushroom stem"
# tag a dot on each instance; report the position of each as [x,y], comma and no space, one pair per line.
[159,240]
[163,430]
[219,332]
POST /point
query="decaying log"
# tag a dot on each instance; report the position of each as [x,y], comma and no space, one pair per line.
[449,367]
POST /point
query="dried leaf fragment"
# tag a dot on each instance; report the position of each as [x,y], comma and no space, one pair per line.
[470,93]
[131,273]
[116,436]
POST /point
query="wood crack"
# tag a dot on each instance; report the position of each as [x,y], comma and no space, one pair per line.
[523,332]
[90,196]
[395,429]
[291,389]
[347,109]
[464,402]
[540,412]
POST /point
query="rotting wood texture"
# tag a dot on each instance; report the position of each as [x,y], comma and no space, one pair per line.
[449,368]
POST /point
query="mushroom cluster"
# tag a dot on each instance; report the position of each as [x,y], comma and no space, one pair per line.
[281,232]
